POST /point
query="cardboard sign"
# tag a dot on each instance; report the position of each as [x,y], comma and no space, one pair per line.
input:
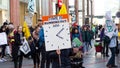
[3,38]
[25,48]
[76,42]
[55,18]
[57,36]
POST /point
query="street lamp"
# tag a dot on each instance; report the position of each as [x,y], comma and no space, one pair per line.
[91,13]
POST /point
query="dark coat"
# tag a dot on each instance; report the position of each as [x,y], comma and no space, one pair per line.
[86,36]
[65,60]
[16,46]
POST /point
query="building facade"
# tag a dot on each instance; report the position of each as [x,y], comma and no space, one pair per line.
[4,11]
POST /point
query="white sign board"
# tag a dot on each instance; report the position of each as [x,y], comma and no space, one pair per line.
[28,20]
[25,48]
[109,28]
[3,38]
[57,36]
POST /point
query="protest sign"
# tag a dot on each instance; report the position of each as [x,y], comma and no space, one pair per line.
[3,38]
[57,36]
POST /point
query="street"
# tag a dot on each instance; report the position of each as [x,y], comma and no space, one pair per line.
[90,61]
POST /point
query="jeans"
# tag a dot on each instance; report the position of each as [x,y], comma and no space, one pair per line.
[105,48]
[3,50]
[86,46]
[112,59]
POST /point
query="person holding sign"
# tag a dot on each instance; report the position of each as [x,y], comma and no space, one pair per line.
[17,54]
[61,58]
[77,48]
[36,54]
[111,32]
[3,43]
[45,55]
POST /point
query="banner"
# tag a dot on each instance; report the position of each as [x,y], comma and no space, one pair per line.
[26,30]
[54,18]
[63,9]
[109,28]
[32,6]
[109,25]
[3,38]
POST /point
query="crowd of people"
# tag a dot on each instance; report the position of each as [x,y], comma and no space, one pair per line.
[37,45]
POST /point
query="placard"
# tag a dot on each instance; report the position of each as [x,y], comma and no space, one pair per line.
[3,38]
[57,36]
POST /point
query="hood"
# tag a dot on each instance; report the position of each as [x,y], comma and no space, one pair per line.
[108,15]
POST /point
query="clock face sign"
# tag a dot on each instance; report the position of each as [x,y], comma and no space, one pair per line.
[57,36]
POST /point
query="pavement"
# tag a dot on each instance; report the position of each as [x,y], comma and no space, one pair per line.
[90,61]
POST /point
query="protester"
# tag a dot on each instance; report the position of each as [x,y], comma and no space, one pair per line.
[60,58]
[3,47]
[112,45]
[45,55]
[36,54]
[11,37]
[112,32]
[77,50]
[17,54]
[105,44]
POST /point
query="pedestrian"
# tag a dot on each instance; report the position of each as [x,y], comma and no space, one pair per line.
[91,36]
[3,47]
[85,39]
[112,46]
[45,60]
[17,54]
[105,44]
[36,54]
[77,50]
[11,39]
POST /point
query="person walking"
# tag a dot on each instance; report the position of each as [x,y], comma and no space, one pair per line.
[112,46]
[85,38]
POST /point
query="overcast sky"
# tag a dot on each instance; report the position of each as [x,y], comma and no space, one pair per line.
[101,6]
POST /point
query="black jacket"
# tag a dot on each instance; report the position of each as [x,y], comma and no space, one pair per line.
[18,41]
[65,58]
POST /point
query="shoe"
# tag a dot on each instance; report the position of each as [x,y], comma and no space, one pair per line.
[109,66]
[107,55]
[4,59]
[115,66]
[1,60]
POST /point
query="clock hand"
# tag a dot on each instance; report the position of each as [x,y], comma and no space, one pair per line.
[59,36]
[59,33]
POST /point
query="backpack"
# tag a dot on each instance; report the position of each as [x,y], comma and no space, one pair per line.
[106,39]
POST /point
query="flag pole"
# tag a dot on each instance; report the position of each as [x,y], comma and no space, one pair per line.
[59,58]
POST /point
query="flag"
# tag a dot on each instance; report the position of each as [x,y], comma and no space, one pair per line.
[26,30]
[109,25]
[63,9]
[32,6]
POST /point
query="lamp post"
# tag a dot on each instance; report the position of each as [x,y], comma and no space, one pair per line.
[91,13]
[119,10]
[83,13]
[76,11]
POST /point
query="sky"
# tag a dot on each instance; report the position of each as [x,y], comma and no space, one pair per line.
[101,6]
